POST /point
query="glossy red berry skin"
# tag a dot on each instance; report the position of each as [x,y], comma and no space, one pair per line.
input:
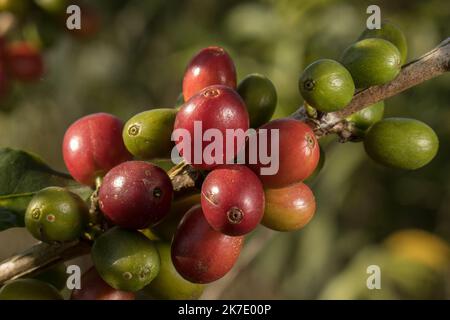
[93,287]
[135,195]
[233,200]
[211,66]
[199,253]
[216,107]
[92,146]
[24,61]
[298,153]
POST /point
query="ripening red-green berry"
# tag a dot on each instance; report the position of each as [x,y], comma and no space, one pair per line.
[92,146]
[233,199]
[297,152]
[135,195]
[289,208]
[199,253]
[211,66]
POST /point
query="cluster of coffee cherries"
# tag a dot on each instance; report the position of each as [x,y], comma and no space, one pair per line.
[148,238]
[375,59]
[33,27]
[145,237]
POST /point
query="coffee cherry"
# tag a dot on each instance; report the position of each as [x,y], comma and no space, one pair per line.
[211,66]
[199,253]
[401,143]
[289,208]
[135,195]
[166,229]
[326,85]
[260,97]
[125,259]
[94,288]
[168,284]
[298,153]
[233,200]
[147,135]
[218,108]
[24,61]
[56,214]
[372,62]
[92,146]
[368,116]
[29,289]
[391,33]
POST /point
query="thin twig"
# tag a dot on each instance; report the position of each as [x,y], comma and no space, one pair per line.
[38,257]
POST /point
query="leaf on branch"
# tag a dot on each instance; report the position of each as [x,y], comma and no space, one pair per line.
[21,175]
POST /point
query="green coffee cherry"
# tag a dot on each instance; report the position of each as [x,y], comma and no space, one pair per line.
[29,289]
[125,259]
[165,164]
[365,118]
[56,214]
[401,143]
[326,85]
[260,97]
[391,33]
[372,62]
[169,285]
[147,135]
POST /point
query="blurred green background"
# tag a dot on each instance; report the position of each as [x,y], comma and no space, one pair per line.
[136,62]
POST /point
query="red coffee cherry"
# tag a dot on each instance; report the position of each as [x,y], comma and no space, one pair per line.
[211,66]
[135,195]
[93,287]
[199,253]
[289,208]
[24,61]
[218,108]
[298,153]
[92,146]
[233,200]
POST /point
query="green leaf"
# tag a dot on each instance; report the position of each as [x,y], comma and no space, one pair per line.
[22,174]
